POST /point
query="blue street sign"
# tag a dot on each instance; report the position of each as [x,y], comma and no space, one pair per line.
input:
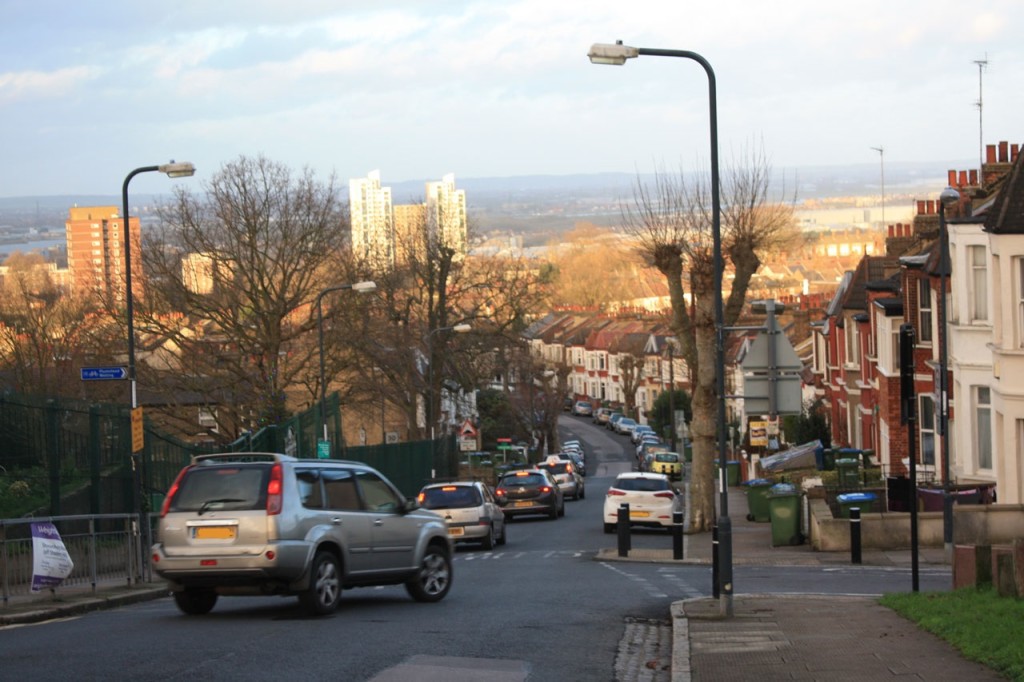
[104,373]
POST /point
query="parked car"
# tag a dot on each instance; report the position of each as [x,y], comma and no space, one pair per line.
[566,476]
[613,418]
[265,523]
[580,462]
[668,463]
[529,491]
[639,431]
[599,413]
[469,509]
[625,426]
[583,408]
[651,499]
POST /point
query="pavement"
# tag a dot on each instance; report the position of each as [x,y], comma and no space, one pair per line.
[765,637]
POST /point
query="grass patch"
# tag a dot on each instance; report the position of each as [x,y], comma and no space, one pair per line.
[985,627]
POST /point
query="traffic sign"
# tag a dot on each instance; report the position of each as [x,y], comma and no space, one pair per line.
[104,373]
[323,449]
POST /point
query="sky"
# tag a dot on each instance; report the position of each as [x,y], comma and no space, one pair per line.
[492,88]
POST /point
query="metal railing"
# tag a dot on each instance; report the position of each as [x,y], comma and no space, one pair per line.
[103,547]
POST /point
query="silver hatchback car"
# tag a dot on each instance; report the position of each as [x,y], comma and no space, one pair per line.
[469,509]
[264,523]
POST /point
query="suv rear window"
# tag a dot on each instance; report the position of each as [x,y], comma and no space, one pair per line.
[451,497]
[560,468]
[239,487]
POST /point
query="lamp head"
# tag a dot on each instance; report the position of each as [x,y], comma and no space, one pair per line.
[364,287]
[182,169]
[949,196]
[462,328]
[616,55]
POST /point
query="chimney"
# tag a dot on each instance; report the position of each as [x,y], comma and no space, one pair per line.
[931,207]
[1014,150]
[892,230]
[1004,156]
[990,153]
[951,178]
[920,206]
[974,178]
[963,179]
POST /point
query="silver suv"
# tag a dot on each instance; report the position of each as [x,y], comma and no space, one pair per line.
[262,523]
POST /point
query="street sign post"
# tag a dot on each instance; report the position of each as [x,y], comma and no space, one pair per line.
[104,373]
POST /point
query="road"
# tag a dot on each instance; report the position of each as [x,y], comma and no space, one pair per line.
[540,608]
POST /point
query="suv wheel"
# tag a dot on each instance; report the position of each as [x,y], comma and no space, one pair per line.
[434,578]
[324,591]
[195,602]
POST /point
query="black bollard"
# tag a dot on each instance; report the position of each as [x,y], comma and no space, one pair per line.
[623,528]
[677,535]
[855,535]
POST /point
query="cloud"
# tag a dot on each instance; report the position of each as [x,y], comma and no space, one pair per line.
[34,84]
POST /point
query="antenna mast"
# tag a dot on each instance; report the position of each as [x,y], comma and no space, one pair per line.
[881,158]
[982,63]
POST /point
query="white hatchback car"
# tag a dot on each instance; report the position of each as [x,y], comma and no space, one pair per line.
[651,498]
[469,509]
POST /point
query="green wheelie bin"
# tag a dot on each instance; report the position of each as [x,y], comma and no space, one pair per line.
[784,510]
[757,499]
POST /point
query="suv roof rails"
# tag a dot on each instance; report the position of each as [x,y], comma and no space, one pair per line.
[226,457]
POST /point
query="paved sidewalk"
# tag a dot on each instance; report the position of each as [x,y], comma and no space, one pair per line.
[800,637]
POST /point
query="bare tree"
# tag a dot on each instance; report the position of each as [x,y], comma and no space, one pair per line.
[46,334]
[433,288]
[672,223]
[233,277]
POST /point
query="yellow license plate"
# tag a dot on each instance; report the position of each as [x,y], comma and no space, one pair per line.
[456,531]
[639,515]
[215,533]
[524,504]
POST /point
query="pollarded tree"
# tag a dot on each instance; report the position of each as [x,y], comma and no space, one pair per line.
[233,276]
[672,223]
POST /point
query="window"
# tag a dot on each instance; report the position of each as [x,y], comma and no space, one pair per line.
[852,343]
[926,417]
[924,311]
[977,296]
[983,426]
[895,335]
[380,497]
[340,488]
[1020,302]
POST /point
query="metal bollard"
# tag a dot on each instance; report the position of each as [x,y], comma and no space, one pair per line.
[677,535]
[855,535]
[623,529]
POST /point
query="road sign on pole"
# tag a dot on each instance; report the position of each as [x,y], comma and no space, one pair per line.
[138,430]
[104,373]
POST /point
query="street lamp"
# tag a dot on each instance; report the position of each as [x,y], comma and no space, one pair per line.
[358,287]
[948,197]
[458,329]
[617,54]
[181,169]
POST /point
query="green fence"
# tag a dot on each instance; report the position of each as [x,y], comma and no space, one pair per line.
[71,457]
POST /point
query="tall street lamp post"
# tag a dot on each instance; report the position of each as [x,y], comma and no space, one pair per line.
[181,169]
[948,197]
[617,54]
[358,287]
[458,329]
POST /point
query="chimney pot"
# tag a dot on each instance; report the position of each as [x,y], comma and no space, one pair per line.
[951,178]
[990,153]
[1014,150]
[1004,155]
[963,179]
[931,207]
[974,178]
[920,207]
[892,230]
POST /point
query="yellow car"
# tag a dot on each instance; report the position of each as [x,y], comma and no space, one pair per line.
[668,463]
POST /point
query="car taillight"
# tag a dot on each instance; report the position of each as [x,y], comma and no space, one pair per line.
[421,497]
[545,488]
[500,492]
[171,493]
[668,495]
[274,498]
[613,491]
